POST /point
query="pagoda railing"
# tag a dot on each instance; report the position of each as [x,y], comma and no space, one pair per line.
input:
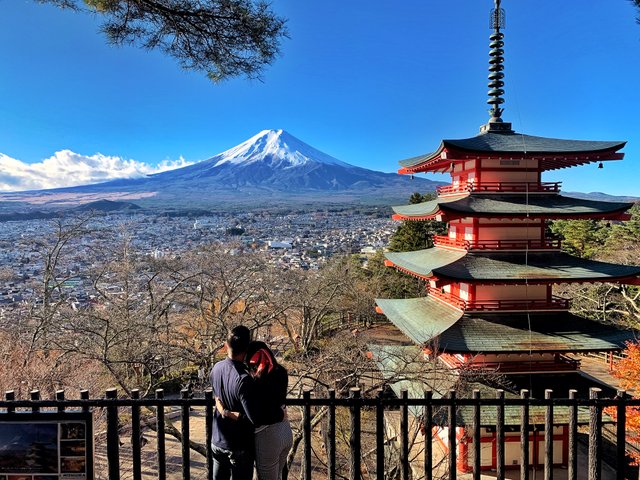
[132,440]
[554,303]
[560,363]
[458,243]
[499,187]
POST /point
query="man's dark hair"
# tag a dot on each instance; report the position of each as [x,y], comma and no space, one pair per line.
[238,339]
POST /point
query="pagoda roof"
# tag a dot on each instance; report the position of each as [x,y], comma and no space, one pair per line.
[507,267]
[510,143]
[424,321]
[511,205]
[559,332]
[420,319]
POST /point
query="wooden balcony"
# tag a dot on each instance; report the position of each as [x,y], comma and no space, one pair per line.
[445,241]
[554,303]
[499,187]
[561,363]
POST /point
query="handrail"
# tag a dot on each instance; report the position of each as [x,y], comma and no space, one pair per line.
[501,187]
[124,424]
[554,303]
[545,244]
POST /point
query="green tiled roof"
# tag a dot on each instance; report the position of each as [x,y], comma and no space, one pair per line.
[511,142]
[559,332]
[422,262]
[507,266]
[420,319]
[551,206]
[404,368]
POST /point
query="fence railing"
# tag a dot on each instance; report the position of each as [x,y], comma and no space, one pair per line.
[462,244]
[459,423]
[502,187]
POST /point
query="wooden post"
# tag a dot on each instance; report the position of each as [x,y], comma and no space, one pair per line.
[548,437]
[573,437]
[404,435]
[354,439]
[524,436]
[208,395]
[380,435]
[160,439]
[35,396]
[621,435]
[60,398]
[306,426]
[500,460]
[184,420]
[452,436]
[113,436]
[136,436]
[10,396]
[84,395]
[428,435]
[476,435]
[595,436]
[331,434]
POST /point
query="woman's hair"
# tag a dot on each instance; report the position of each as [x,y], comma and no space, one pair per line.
[260,358]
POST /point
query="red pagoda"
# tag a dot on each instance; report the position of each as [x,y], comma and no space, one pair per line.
[490,302]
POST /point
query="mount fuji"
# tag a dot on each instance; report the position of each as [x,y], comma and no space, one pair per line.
[272,167]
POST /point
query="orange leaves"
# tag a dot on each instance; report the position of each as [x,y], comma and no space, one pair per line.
[628,372]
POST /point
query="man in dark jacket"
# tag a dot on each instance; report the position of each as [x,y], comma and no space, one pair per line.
[232,441]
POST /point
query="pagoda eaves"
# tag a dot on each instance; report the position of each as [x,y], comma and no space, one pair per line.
[511,206]
[550,153]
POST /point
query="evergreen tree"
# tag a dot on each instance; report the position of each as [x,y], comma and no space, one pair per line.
[416,235]
[224,38]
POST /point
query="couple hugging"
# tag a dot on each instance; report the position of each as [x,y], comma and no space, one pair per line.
[250,421]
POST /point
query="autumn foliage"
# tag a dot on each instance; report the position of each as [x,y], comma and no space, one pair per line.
[627,371]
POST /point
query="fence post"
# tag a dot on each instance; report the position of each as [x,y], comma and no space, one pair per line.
[548,437]
[184,420]
[595,435]
[524,436]
[113,437]
[428,435]
[331,434]
[573,436]
[306,428]
[621,434]
[35,396]
[354,440]
[60,398]
[136,436]
[208,395]
[404,434]
[476,435]
[84,395]
[162,460]
[380,434]
[500,435]
[452,436]
[10,396]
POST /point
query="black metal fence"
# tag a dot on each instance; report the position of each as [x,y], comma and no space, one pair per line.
[584,419]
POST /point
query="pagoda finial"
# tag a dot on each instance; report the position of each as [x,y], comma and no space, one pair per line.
[496,76]
[497,21]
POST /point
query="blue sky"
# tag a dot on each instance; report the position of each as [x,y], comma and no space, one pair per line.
[369,82]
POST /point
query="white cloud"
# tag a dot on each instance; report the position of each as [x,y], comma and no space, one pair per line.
[66,168]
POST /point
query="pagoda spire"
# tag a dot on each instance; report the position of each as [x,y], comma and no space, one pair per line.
[496,67]
[496,60]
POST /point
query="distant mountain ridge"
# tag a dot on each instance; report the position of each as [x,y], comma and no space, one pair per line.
[272,167]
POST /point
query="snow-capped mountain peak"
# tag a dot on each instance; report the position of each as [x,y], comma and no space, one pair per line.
[276,148]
